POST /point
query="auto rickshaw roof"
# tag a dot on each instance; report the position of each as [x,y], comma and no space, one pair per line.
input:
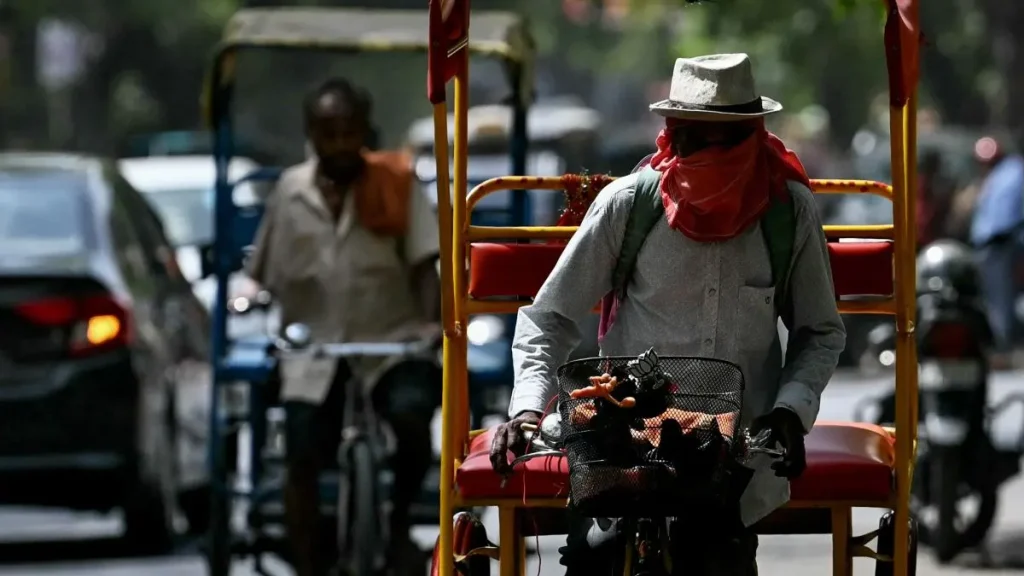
[497,34]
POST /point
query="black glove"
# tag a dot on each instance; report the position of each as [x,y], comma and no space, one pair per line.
[786,429]
[510,436]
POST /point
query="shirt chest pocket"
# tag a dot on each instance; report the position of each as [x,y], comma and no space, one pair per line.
[306,237]
[374,256]
[757,324]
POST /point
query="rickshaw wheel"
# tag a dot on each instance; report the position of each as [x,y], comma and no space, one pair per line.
[218,536]
[468,533]
[218,546]
[887,545]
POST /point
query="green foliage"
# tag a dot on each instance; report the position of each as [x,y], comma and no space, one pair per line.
[806,52]
[826,52]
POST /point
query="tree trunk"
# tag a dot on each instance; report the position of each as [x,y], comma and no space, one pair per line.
[957,96]
[1005,20]
[22,113]
[1015,68]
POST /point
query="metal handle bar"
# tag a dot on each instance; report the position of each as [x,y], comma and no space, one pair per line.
[353,349]
[772,452]
[539,454]
[759,444]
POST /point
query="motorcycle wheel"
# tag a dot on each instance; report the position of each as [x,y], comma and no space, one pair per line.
[949,534]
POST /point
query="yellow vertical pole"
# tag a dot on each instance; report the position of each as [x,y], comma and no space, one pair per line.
[450,221]
[444,224]
[444,217]
[461,228]
[906,368]
[510,562]
[911,152]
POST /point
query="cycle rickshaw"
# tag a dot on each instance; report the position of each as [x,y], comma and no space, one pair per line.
[850,465]
[244,370]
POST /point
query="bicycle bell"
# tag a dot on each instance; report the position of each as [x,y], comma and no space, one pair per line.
[548,434]
[298,335]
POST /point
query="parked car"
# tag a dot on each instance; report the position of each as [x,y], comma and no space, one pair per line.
[97,326]
[180,189]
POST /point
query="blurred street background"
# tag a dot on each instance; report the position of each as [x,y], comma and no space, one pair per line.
[122,80]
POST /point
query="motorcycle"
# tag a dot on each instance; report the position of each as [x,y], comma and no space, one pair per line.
[960,462]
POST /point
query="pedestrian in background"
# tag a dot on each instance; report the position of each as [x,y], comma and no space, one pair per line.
[995,229]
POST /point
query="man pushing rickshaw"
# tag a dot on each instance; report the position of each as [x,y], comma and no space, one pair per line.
[690,429]
[720,194]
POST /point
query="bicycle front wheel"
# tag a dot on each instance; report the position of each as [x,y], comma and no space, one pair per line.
[362,523]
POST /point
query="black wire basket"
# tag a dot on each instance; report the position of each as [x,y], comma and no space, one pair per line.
[661,444]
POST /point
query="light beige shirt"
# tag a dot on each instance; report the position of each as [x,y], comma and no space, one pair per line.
[687,298]
[343,281]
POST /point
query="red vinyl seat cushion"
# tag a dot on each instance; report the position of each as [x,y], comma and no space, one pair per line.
[495,269]
[546,477]
[845,461]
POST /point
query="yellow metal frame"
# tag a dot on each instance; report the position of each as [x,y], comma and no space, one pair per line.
[457,234]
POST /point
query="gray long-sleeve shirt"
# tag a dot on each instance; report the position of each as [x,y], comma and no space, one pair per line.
[690,298]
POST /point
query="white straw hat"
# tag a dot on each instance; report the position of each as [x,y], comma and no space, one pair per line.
[719,87]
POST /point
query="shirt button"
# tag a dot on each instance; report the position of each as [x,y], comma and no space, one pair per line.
[708,342]
[711,291]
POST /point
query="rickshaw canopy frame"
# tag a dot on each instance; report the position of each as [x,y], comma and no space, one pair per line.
[499,35]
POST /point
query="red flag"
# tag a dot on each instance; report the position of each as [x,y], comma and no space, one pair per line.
[902,47]
[448,35]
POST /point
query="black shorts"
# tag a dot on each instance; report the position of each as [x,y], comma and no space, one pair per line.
[410,389]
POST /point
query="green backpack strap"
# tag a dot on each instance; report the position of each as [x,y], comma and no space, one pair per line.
[644,214]
[778,225]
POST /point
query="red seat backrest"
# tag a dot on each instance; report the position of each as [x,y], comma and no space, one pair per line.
[503,270]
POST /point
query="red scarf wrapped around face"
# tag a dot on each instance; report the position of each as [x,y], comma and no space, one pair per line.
[717,193]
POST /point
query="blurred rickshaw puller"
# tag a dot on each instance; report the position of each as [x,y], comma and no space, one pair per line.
[348,247]
[703,286]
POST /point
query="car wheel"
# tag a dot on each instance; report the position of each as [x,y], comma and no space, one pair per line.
[149,504]
[195,505]
[148,525]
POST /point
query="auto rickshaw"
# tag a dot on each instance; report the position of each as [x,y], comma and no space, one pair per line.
[243,402]
[497,269]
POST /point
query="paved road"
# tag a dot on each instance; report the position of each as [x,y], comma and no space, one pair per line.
[91,551]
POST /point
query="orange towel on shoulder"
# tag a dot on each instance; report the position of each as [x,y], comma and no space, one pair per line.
[382,192]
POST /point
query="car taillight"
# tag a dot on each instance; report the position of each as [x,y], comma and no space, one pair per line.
[93,323]
[950,340]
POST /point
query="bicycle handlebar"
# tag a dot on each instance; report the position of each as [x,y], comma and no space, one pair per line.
[757,444]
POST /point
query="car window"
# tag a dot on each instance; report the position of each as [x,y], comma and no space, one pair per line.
[128,249]
[187,214]
[148,229]
[44,212]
